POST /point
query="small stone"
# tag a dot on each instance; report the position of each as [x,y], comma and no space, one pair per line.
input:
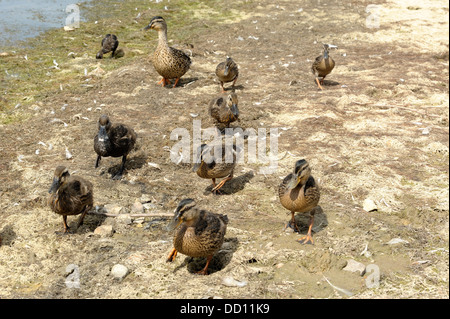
[124,218]
[104,231]
[139,220]
[119,271]
[112,209]
[145,198]
[67,28]
[369,205]
[137,208]
[354,266]
[4,54]
[231,282]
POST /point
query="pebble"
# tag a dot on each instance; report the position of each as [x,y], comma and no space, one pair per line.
[112,209]
[394,241]
[369,205]
[354,266]
[119,271]
[104,231]
[137,207]
[124,218]
[231,282]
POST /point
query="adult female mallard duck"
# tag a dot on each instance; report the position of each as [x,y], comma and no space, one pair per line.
[323,65]
[70,195]
[109,44]
[216,160]
[199,233]
[224,110]
[300,193]
[226,72]
[113,140]
[169,62]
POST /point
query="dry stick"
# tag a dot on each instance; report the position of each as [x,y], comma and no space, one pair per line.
[395,106]
[132,215]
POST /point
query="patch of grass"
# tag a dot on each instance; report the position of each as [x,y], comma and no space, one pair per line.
[28,70]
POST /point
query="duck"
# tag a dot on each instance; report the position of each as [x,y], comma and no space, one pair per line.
[224,110]
[300,193]
[198,232]
[70,195]
[113,140]
[109,44]
[169,62]
[227,71]
[323,65]
[208,165]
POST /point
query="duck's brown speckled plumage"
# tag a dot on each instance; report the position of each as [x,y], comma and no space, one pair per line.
[323,65]
[70,195]
[199,233]
[299,193]
[224,110]
[227,71]
[109,44]
[113,140]
[169,62]
[208,165]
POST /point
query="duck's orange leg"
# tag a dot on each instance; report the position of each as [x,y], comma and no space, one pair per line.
[172,255]
[318,84]
[163,82]
[216,188]
[176,82]
[204,271]
[292,223]
[308,237]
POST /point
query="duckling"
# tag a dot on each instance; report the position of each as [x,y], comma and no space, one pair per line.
[109,44]
[199,233]
[226,72]
[210,165]
[323,65]
[113,140]
[300,193]
[70,195]
[224,110]
[169,62]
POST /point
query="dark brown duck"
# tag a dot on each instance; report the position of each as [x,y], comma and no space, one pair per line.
[212,166]
[70,195]
[323,65]
[113,140]
[227,72]
[199,233]
[224,110]
[300,193]
[109,44]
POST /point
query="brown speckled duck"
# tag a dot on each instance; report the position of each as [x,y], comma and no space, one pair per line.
[113,140]
[224,110]
[199,233]
[169,62]
[300,193]
[109,44]
[209,166]
[227,72]
[70,195]
[323,65]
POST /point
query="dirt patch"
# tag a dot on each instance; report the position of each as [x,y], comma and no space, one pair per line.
[379,130]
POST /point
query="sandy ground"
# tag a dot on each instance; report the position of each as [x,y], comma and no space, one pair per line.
[378,130]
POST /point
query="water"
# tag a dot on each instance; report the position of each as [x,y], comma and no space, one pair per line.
[21,19]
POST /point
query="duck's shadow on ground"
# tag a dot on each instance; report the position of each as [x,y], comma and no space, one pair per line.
[232,186]
[219,261]
[320,221]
